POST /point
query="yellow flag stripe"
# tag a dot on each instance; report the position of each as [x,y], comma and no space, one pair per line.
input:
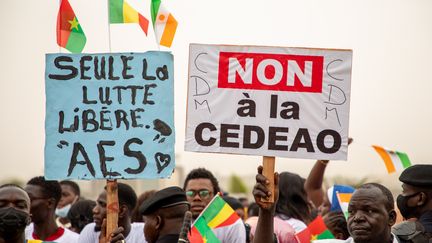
[223,215]
[130,15]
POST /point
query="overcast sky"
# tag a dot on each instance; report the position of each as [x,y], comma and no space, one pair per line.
[391,80]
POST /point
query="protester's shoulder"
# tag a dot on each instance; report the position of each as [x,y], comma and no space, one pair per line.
[283,227]
[136,234]
[70,232]
[298,225]
[349,240]
[89,228]
[408,231]
[405,228]
[28,231]
[88,233]
[137,225]
[69,236]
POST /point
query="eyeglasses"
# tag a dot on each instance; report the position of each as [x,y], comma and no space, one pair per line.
[202,193]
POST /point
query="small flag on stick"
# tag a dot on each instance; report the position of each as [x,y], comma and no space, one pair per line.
[316,230]
[332,195]
[120,12]
[393,160]
[164,23]
[70,35]
[217,214]
[344,199]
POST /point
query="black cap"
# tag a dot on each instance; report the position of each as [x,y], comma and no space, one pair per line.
[417,175]
[165,198]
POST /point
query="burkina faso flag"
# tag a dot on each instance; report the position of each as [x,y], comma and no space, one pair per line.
[316,230]
[70,35]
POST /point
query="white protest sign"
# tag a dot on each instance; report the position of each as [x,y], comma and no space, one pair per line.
[269,101]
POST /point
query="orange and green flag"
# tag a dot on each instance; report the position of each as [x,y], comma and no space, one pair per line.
[120,12]
[164,23]
[70,35]
[217,214]
[316,230]
[344,199]
[393,160]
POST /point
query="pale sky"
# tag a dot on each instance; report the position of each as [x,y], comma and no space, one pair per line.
[390,89]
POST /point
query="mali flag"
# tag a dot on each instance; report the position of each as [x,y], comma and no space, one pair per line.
[70,35]
[120,12]
[316,230]
[217,214]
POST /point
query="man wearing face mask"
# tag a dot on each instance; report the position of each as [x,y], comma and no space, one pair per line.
[14,213]
[415,204]
[70,194]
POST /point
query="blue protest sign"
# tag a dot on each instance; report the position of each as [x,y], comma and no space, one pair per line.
[109,116]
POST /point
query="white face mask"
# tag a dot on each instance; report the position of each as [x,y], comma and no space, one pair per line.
[62,212]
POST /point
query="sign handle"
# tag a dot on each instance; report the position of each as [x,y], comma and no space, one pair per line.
[112,207]
[268,172]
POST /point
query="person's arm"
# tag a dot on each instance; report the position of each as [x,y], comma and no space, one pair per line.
[264,229]
[313,183]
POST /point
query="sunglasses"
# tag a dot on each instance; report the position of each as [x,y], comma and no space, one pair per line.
[202,193]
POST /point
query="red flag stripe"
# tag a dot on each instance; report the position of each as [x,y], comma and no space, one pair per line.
[194,236]
[143,22]
[63,26]
[66,14]
[303,236]
[230,220]
[317,226]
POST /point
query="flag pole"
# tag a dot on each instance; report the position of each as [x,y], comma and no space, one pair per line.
[154,23]
[112,207]
[268,172]
[109,26]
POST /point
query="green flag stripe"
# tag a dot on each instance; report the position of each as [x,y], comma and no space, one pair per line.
[116,11]
[205,231]
[155,9]
[76,42]
[404,159]
[325,235]
[213,209]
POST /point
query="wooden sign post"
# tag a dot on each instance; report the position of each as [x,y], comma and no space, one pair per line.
[268,172]
[112,207]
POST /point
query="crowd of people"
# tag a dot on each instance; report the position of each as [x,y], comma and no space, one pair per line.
[52,211]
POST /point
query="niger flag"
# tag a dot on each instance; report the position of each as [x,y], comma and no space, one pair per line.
[70,35]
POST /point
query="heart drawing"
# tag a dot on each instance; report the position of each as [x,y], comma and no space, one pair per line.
[162,161]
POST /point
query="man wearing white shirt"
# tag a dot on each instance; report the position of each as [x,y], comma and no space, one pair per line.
[133,232]
[44,196]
